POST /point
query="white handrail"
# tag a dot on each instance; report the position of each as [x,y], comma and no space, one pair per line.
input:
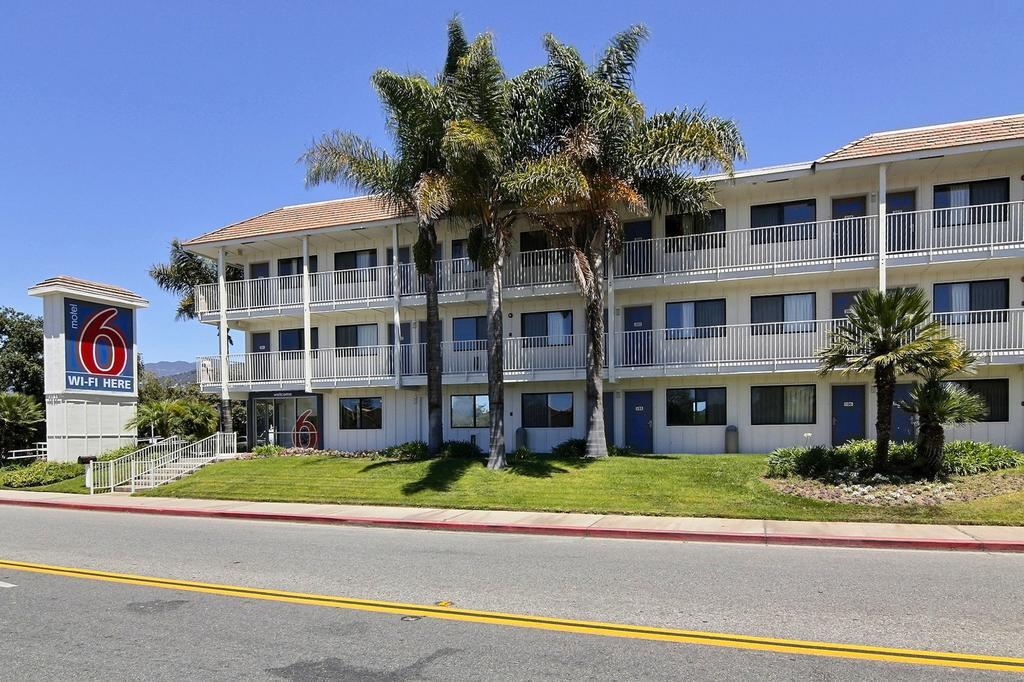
[113,473]
[188,458]
[966,228]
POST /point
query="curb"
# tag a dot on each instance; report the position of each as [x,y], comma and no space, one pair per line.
[563,531]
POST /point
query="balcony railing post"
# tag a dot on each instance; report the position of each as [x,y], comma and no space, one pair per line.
[307,341]
[396,312]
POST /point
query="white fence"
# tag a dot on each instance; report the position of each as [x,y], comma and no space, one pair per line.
[118,472]
[989,227]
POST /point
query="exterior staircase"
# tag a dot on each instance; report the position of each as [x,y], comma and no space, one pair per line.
[159,463]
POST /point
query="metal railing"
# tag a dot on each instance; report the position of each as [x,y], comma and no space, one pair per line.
[114,473]
[356,362]
[526,354]
[529,268]
[987,228]
[184,460]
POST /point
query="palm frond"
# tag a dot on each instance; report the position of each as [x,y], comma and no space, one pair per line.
[618,64]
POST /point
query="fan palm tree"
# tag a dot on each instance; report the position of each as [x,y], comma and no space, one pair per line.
[159,418]
[492,130]
[21,417]
[888,334]
[937,402]
[409,180]
[604,156]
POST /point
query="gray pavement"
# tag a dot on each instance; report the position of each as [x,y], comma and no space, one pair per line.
[57,626]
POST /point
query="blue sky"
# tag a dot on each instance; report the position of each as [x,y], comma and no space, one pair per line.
[123,125]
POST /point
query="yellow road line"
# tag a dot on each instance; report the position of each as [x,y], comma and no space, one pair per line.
[792,646]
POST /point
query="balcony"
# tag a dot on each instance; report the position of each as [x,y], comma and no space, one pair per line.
[916,237]
[997,336]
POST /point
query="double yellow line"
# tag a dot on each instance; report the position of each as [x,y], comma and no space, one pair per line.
[791,646]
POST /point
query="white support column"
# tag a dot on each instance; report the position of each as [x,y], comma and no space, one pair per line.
[883,229]
[396,300]
[222,294]
[609,350]
[307,335]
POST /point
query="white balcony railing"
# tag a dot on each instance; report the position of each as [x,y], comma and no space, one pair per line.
[951,230]
[756,347]
[977,230]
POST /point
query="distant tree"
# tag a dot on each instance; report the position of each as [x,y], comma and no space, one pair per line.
[196,418]
[183,272]
[21,417]
[21,353]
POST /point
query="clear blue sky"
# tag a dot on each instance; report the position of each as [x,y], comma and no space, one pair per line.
[123,125]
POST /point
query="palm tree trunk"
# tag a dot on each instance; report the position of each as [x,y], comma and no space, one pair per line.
[435,424]
[225,416]
[885,388]
[597,445]
[931,441]
[495,365]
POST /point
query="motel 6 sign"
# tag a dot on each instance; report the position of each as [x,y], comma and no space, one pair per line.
[98,346]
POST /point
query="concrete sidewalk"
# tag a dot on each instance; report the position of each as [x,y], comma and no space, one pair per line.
[752,531]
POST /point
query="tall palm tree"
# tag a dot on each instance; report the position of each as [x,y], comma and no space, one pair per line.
[888,334]
[604,156]
[408,180]
[938,402]
[492,130]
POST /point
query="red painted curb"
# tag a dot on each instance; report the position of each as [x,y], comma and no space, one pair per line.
[564,531]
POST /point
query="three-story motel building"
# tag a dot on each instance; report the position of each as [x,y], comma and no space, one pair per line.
[713,321]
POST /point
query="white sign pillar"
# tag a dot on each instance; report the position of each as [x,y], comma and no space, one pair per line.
[91,360]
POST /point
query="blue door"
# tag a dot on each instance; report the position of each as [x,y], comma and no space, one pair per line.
[636,341]
[848,414]
[639,407]
[902,422]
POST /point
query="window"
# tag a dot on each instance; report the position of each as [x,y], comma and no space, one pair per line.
[535,240]
[356,260]
[361,413]
[782,404]
[995,393]
[783,314]
[355,335]
[980,301]
[293,266]
[260,342]
[961,196]
[785,222]
[702,231]
[460,254]
[470,411]
[469,333]
[696,406]
[547,410]
[294,339]
[259,270]
[548,329]
[695,319]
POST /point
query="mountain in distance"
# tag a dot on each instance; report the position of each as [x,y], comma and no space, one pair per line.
[172,368]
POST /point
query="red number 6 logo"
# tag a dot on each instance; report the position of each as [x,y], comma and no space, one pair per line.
[306,435]
[98,329]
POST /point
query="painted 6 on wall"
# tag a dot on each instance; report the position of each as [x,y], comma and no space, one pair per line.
[98,347]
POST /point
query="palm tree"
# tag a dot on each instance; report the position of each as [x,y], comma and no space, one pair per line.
[20,419]
[195,418]
[603,156]
[938,402]
[888,334]
[183,272]
[491,132]
[159,418]
[408,180]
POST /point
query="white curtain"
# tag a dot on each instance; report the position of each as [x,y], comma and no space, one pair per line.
[799,404]
[960,301]
[798,308]
[686,320]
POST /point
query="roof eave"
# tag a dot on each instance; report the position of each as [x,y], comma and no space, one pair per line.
[918,154]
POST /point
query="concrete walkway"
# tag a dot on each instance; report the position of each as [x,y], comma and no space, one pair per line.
[753,531]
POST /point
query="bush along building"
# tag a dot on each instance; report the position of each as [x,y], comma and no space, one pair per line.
[713,320]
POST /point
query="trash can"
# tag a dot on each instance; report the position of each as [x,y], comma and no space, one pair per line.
[521,438]
[732,439]
[85,459]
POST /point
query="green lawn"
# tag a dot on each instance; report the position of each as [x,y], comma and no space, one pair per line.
[680,485]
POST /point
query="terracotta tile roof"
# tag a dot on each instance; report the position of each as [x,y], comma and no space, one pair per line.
[365,209]
[958,134]
[86,287]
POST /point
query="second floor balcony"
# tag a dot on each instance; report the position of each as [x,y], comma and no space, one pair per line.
[913,237]
[997,336]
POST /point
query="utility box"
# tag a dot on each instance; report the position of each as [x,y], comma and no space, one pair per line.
[732,439]
[521,440]
[90,366]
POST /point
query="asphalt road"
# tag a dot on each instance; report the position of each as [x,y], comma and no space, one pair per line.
[59,627]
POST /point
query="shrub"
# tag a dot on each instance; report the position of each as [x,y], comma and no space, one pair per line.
[519,455]
[574,448]
[966,457]
[782,462]
[39,473]
[624,451]
[416,449]
[21,417]
[267,450]
[461,449]
[117,452]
